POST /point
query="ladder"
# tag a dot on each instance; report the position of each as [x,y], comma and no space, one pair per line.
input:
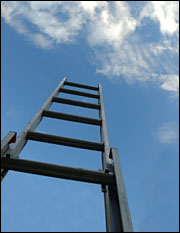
[110,177]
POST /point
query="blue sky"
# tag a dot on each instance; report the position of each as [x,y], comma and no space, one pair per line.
[131,48]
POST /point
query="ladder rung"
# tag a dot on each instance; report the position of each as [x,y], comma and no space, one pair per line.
[69,117]
[75,102]
[81,86]
[52,170]
[65,141]
[68,91]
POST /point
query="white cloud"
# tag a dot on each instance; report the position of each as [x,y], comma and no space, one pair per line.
[10,11]
[165,12]
[170,82]
[90,6]
[111,25]
[165,45]
[123,54]
[62,21]
[45,18]
[136,62]
[127,62]
[168,133]
[112,31]
[41,40]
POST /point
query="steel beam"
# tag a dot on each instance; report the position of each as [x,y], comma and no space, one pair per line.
[112,211]
[103,132]
[58,171]
[69,117]
[73,92]
[5,148]
[76,103]
[126,222]
[64,141]
[6,141]
[81,86]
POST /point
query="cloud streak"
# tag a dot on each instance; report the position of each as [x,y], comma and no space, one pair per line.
[118,32]
[168,133]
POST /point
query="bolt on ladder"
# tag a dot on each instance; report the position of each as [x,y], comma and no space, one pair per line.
[110,178]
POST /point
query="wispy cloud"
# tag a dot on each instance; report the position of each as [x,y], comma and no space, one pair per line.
[13,113]
[120,34]
[132,55]
[168,133]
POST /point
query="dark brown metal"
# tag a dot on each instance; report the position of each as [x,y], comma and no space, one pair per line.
[69,117]
[64,141]
[58,171]
[81,86]
[73,92]
[75,102]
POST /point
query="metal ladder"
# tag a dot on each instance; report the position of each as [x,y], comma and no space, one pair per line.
[110,178]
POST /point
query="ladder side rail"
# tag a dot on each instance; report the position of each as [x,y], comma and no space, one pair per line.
[6,141]
[21,140]
[126,221]
[103,133]
[111,202]
[5,148]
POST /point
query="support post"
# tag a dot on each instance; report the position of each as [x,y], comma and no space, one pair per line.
[111,203]
[126,222]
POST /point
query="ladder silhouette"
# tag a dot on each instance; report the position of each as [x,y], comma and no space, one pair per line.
[110,177]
